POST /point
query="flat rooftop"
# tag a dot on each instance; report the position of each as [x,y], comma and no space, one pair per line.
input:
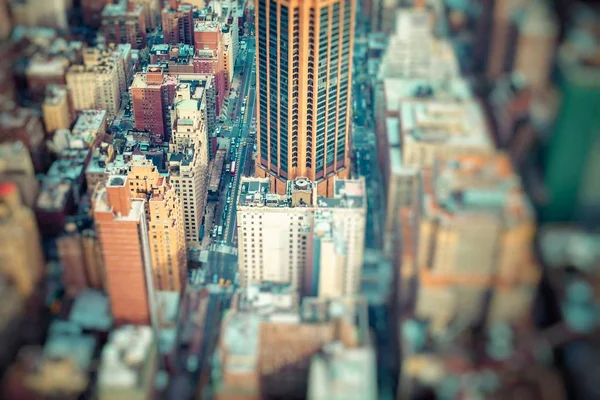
[453,123]
[124,357]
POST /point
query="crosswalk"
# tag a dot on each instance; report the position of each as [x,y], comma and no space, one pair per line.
[221,248]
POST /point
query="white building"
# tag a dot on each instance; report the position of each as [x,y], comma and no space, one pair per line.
[298,238]
[40,13]
[188,157]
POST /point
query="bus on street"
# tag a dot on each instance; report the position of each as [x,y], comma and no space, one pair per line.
[232,170]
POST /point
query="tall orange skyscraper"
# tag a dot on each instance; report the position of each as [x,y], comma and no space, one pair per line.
[121,225]
[303,81]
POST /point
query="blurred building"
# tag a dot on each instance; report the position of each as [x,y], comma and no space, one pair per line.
[16,167]
[178,23]
[166,230]
[268,341]
[12,311]
[21,256]
[574,140]
[23,124]
[61,190]
[340,373]
[56,109]
[125,22]
[473,239]
[80,254]
[304,132]
[151,12]
[122,229]
[5,20]
[91,12]
[39,13]
[129,364]
[290,239]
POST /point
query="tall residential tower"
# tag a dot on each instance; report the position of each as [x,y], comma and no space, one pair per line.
[303,82]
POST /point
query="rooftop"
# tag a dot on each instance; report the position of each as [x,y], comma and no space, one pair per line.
[67,341]
[90,120]
[240,341]
[339,373]
[91,311]
[452,123]
[122,8]
[124,357]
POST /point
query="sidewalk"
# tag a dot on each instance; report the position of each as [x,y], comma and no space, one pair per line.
[208,225]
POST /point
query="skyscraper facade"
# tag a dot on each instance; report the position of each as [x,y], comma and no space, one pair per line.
[303,78]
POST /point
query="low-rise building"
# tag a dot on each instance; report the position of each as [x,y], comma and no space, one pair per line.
[129,364]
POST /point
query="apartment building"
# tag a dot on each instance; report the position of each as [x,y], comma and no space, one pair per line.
[290,239]
[210,56]
[152,95]
[178,23]
[125,22]
[166,232]
[16,167]
[188,158]
[120,221]
[99,81]
[56,109]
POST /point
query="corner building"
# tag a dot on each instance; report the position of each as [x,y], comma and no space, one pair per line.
[304,75]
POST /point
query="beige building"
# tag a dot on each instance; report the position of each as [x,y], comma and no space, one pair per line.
[56,109]
[268,331]
[188,157]
[289,239]
[474,235]
[40,13]
[166,232]
[21,256]
[99,82]
[128,365]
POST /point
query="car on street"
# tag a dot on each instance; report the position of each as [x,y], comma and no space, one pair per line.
[230,185]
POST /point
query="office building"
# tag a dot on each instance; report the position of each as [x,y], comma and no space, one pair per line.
[166,232]
[290,239]
[56,109]
[152,94]
[268,330]
[13,314]
[125,22]
[303,81]
[21,256]
[120,221]
[128,365]
[178,23]
[16,167]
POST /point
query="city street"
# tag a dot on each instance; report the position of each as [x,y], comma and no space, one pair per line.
[222,257]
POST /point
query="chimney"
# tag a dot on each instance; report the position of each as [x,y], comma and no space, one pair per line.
[119,198]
